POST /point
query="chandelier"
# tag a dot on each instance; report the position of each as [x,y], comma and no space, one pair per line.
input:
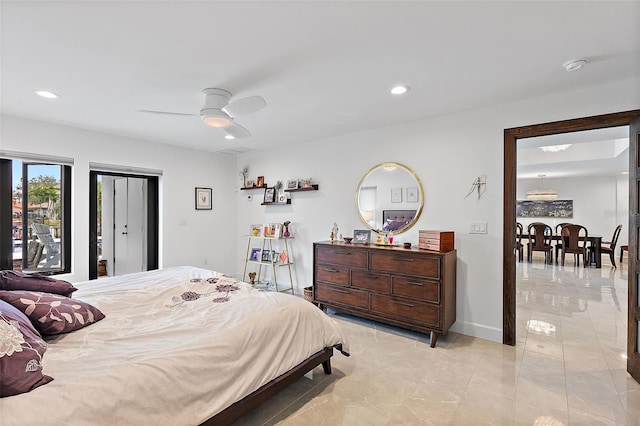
[542,194]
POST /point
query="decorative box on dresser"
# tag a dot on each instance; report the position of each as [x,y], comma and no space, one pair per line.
[409,288]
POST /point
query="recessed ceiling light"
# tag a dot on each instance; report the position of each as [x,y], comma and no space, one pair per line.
[574,64]
[399,90]
[46,94]
[229,137]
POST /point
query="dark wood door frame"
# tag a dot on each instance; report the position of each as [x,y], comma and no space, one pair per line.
[511,137]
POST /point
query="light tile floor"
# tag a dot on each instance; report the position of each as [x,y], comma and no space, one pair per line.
[567,368]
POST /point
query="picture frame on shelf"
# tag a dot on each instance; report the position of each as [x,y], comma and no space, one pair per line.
[270,195]
[268,256]
[260,181]
[251,183]
[256,254]
[396,195]
[412,194]
[276,230]
[362,236]
[292,184]
[255,230]
[283,257]
[203,198]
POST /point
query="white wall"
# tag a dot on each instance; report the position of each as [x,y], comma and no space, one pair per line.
[204,238]
[597,203]
[448,153]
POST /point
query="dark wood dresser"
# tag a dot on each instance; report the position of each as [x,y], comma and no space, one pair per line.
[410,288]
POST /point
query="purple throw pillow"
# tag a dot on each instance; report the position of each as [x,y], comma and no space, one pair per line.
[52,313]
[15,280]
[21,352]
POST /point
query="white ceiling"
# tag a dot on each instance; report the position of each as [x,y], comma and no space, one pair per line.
[323,67]
[602,152]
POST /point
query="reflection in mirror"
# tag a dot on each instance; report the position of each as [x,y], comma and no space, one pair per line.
[389,198]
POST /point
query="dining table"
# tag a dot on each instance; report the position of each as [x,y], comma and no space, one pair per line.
[595,242]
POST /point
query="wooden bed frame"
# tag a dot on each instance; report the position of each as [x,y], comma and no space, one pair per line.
[260,395]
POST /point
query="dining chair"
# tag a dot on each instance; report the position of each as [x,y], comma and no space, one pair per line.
[611,248]
[540,240]
[519,245]
[558,245]
[574,240]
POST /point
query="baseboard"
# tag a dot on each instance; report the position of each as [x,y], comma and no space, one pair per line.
[477,330]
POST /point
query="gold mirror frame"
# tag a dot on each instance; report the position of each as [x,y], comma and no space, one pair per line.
[374,217]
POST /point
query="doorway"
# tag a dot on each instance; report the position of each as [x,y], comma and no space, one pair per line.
[123,235]
[511,137]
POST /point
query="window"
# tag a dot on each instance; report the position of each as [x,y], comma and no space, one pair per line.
[35,216]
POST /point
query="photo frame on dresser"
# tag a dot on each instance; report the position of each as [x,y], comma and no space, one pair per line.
[362,236]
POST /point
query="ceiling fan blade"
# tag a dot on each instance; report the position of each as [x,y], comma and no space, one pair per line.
[237,131]
[245,106]
[148,111]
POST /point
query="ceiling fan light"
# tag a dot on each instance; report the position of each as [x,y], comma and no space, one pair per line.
[215,118]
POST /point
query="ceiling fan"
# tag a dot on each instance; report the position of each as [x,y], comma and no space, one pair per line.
[219,111]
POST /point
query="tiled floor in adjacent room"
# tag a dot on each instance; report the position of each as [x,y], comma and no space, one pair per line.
[567,368]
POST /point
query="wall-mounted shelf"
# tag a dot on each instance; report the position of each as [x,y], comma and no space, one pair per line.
[313,187]
[277,203]
[254,187]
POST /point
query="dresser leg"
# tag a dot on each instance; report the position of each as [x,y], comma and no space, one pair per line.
[434,337]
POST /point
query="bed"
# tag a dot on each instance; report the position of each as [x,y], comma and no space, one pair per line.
[182,345]
[393,220]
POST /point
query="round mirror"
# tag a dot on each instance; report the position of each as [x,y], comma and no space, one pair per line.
[389,198]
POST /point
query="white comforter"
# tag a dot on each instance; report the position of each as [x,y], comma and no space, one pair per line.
[172,349]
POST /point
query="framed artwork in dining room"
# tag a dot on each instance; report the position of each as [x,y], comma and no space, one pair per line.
[260,181]
[203,199]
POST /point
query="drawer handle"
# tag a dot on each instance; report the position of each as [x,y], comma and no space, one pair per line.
[403,304]
[414,283]
[341,291]
[373,277]
[331,270]
[348,253]
[402,259]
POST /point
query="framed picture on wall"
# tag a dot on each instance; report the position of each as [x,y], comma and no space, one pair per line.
[412,194]
[396,195]
[203,199]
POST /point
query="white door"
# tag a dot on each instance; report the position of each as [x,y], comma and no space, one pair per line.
[129,212]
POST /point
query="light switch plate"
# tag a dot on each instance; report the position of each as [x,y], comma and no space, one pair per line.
[478,227]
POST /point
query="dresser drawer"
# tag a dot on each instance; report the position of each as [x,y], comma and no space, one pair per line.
[409,310]
[342,256]
[370,280]
[416,288]
[345,296]
[333,274]
[406,263]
